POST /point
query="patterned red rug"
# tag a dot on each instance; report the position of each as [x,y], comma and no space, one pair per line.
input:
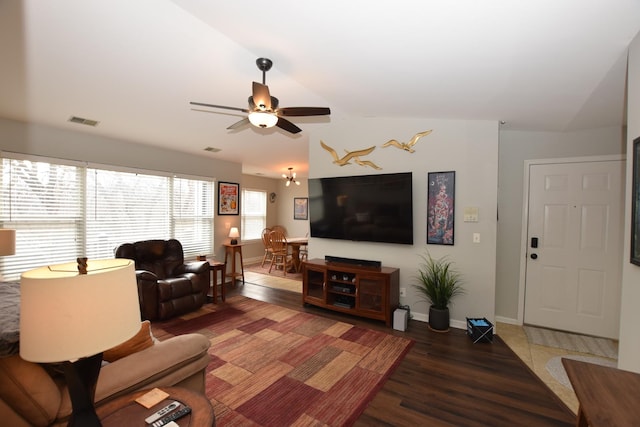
[274,366]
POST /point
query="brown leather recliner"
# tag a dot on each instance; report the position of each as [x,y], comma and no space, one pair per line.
[167,286]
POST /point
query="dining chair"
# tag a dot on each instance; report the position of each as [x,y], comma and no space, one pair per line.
[268,251]
[304,250]
[280,251]
[279,228]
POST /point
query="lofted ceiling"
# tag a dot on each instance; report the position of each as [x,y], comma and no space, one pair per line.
[134,66]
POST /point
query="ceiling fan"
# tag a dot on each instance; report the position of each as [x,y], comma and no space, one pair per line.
[263,108]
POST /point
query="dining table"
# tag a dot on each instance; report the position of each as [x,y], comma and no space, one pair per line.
[295,243]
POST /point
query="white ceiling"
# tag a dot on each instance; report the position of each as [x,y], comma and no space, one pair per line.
[134,66]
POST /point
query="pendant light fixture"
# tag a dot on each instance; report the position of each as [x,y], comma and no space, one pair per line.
[290,178]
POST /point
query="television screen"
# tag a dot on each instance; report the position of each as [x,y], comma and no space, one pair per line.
[370,208]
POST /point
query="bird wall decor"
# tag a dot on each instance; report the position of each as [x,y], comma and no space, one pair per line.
[365,163]
[409,145]
[345,160]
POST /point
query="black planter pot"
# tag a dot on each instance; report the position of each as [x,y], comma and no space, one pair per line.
[439,319]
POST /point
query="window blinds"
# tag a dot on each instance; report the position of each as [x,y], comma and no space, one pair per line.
[62,211]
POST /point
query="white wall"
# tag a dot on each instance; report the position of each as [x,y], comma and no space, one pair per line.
[295,227]
[470,148]
[515,148]
[47,141]
[629,349]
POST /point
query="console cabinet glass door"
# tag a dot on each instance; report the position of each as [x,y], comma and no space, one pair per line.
[315,281]
[372,294]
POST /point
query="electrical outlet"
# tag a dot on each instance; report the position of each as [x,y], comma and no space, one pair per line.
[403,292]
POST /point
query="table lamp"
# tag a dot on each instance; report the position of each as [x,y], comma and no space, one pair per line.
[71,313]
[234,234]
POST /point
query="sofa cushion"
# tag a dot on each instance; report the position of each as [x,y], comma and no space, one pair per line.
[143,339]
[29,390]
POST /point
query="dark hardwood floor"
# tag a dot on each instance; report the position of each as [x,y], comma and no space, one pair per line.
[446,379]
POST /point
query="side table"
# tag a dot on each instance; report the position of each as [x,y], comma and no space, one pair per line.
[125,411]
[214,267]
[232,250]
[607,396]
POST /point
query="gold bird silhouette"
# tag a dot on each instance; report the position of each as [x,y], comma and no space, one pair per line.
[350,154]
[409,145]
[365,162]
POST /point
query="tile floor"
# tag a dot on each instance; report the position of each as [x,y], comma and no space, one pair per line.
[536,357]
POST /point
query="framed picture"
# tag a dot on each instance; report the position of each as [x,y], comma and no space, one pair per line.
[440,207]
[228,198]
[635,204]
[300,208]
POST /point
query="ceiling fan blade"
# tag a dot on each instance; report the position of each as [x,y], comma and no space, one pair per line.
[303,111]
[287,125]
[261,96]
[244,110]
[239,124]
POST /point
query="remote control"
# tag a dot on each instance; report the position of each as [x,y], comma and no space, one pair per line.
[171,417]
[162,412]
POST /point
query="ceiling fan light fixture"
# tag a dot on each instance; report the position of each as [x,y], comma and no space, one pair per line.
[263,120]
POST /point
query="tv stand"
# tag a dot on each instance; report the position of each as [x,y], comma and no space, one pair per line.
[359,290]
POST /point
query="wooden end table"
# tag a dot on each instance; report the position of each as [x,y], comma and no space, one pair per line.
[607,396]
[214,267]
[125,411]
[231,251]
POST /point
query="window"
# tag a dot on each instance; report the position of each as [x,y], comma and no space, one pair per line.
[254,213]
[62,211]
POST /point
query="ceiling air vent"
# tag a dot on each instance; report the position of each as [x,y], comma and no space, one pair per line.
[82,121]
[213,149]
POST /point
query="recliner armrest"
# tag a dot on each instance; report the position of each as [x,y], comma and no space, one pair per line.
[196,267]
[146,275]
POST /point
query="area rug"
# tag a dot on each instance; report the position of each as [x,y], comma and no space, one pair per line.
[573,342]
[556,369]
[273,282]
[256,268]
[274,366]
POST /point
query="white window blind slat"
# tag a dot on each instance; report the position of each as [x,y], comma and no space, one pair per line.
[254,213]
[63,211]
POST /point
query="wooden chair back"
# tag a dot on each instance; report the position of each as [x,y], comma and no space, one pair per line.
[265,238]
[278,241]
[279,228]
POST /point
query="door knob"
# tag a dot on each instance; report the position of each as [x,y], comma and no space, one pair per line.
[534,256]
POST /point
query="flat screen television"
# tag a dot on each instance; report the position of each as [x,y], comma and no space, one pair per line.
[368,208]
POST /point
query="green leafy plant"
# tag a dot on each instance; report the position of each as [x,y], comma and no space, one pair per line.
[438,282]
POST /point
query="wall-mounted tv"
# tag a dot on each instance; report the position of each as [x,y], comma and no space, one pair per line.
[369,208]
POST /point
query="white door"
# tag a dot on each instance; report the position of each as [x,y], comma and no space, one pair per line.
[574,247]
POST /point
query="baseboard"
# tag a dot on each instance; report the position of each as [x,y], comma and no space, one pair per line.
[421,317]
[251,261]
[508,320]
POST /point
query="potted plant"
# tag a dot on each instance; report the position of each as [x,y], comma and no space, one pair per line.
[437,284]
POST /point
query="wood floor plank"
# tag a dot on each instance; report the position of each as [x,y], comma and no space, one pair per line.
[445,379]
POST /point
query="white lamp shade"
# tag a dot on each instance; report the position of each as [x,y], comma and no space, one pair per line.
[263,120]
[234,233]
[65,315]
[7,241]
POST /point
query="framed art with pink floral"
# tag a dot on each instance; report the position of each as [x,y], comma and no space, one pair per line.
[440,207]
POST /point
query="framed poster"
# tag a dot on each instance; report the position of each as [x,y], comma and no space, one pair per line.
[228,198]
[635,204]
[300,208]
[440,207]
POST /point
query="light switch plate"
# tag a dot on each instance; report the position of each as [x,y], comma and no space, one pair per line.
[471,214]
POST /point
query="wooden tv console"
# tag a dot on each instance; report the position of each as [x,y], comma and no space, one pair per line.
[359,290]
